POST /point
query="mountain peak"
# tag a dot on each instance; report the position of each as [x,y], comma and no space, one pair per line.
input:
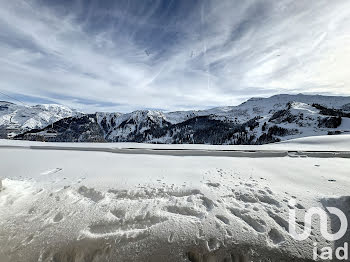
[15,119]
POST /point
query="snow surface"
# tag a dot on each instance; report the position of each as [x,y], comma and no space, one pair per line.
[81,202]
[314,143]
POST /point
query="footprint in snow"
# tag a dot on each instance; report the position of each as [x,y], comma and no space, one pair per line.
[223,219]
[184,211]
[211,184]
[256,223]
[131,224]
[58,217]
[276,236]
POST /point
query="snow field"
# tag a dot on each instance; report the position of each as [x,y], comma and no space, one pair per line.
[64,205]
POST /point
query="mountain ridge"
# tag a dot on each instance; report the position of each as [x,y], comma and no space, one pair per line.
[256,121]
[16,119]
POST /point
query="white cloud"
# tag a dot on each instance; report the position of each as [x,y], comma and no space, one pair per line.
[220,53]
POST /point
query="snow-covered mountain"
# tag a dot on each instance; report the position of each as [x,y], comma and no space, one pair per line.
[15,119]
[256,121]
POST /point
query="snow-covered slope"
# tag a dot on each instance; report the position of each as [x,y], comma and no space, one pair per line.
[263,106]
[125,126]
[93,205]
[256,121]
[15,119]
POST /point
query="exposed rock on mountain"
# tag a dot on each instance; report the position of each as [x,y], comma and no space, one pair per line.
[73,129]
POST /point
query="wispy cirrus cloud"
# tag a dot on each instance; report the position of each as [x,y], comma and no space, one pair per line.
[127,55]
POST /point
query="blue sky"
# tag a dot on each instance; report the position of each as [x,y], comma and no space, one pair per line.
[124,55]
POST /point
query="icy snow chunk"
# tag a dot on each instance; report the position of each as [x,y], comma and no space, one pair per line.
[50,172]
